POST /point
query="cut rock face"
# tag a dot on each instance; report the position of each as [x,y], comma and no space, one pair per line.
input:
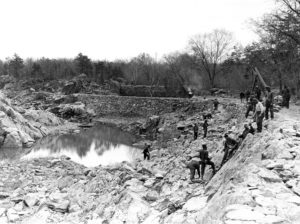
[17,130]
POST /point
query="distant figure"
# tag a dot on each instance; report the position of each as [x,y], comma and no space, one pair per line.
[230,143]
[286,95]
[205,126]
[216,104]
[247,95]
[269,103]
[196,129]
[205,160]
[146,152]
[242,96]
[192,165]
[259,114]
[257,91]
[250,106]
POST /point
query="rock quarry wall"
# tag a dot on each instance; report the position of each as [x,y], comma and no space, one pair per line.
[138,106]
[21,128]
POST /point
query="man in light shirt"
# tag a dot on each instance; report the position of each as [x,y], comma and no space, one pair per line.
[259,114]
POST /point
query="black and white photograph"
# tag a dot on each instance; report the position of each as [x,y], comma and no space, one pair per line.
[150,112]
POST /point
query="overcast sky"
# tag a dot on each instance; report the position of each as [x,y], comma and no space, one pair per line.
[118,29]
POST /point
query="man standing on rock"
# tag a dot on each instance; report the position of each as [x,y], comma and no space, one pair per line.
[230,143]
[146,152]
[269,103]
[205,126]
[259,114]
[196,129]
[204,159]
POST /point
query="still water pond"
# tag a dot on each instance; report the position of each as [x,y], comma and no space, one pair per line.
[100,145]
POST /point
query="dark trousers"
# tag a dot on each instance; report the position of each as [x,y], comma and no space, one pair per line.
[147,156]
[195,135]
[269,108]
[259,122]
[226,150]
[192,172]
[203,165]
[287,103]
[249,108]
[205,132]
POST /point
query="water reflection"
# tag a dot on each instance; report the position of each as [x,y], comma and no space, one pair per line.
[101,145]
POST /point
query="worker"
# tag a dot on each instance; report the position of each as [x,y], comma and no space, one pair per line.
[269,103]
[286,95]
[250,106]
[205,126]
[257,92]
[259,114]
[205,160]
[216,104]
[230,143]
[196,129]
[146,151]
[246,131]
[192,165]
[251,129]
[242,96]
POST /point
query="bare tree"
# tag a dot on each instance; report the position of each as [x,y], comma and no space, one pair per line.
[210,50]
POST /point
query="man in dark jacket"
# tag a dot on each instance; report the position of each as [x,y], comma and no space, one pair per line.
[269,103]
[205,160]
[146,152]
[230,146]
[196,129]
[257,92]
[286,95]
[246,131]
[250,106]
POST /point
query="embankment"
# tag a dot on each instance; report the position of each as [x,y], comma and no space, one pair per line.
[139,106]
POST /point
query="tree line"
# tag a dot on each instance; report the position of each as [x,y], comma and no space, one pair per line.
[211,60]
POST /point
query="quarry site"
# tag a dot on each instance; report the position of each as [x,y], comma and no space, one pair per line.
[258,184]
[150,112]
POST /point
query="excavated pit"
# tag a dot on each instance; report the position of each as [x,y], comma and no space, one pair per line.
[259,184]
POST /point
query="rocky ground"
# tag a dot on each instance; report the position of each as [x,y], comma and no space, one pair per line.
[259,184]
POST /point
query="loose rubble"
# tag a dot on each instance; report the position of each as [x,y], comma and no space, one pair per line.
[259,184]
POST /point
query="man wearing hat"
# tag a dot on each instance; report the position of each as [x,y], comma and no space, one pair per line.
[204,159]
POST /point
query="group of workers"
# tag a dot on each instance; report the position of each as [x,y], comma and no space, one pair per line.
[261,109]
